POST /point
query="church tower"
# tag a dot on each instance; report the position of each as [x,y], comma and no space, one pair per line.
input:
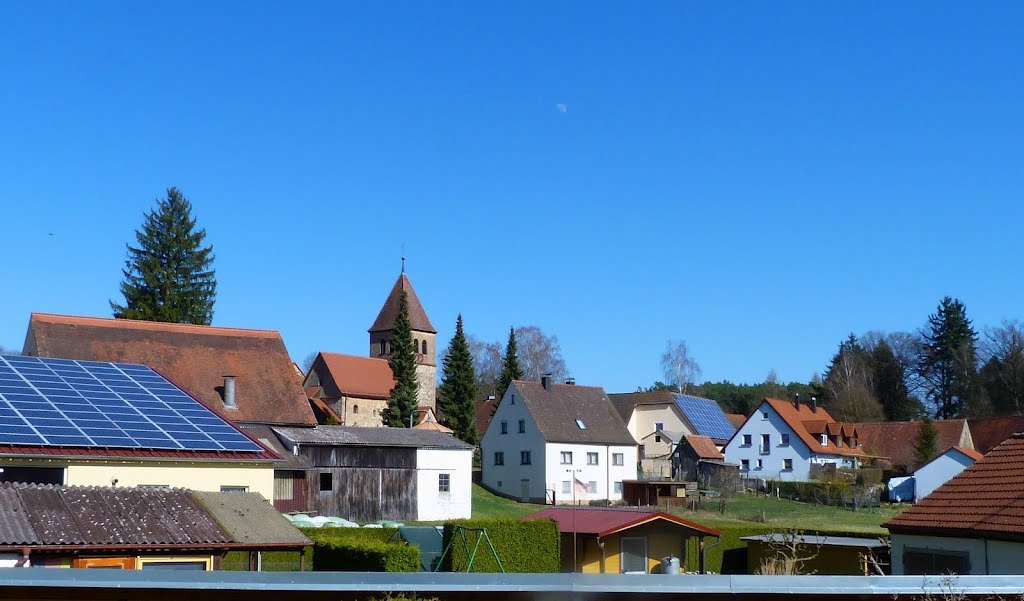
[423,337]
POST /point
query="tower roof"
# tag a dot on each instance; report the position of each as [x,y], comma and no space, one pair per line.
[389,312]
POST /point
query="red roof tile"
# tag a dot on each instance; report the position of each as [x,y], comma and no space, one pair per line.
[970,453]
[736,419]
[195,358]
[704,447]
[895,440]
[988,432]
[389,312]
[603,522]
[984,500]
[352,375]
[807,421]
[484,411]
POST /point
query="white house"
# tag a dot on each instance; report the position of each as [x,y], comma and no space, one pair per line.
[551,443]
[938,471]
[647,412]
[782,439]
[973,524]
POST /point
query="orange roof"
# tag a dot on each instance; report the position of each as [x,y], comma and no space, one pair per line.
[736,419]
[704,447]
[988,432]
[196,358]
[895,440]
[970,453]
[423,425]
[364,377]
[983,500]
[797,419]
[605,521]
[389,312]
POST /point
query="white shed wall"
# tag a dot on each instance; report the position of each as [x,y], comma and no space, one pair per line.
[433,505]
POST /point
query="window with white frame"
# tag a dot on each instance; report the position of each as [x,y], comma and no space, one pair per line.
[566,457]
[592,486]
[618,488]
[787,465]
[745,465]
[747,440]
[766,443]
[760,464]
[566,487]
[444,483]
[824,440]
[764,416]
[785,440]
[618,459]
[499,458]
[591,458]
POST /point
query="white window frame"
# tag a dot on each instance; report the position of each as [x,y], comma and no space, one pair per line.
[618,459]
[444,483]
[593,459]
[566,455]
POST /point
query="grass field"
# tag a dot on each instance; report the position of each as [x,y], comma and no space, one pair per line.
[487,505]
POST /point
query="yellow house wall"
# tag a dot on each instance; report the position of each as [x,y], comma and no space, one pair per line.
[826,561]
[663,539]
[257,477]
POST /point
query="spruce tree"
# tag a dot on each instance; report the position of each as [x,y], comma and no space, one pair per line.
[890,385]
[403,400]
[169,276]
[510,370]
[925,444]
[949,362]
[458,387]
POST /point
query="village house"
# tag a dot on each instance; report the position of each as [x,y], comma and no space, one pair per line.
[972,524]
[895,440]
[627,541]
[557,443]
[100,424]
[690,454]
[369,474]
[680,414]
[136,528]
[246,376]
[781,440]
[941,469]
[352,390]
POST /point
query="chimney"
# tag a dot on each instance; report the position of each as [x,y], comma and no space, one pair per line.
[796,401]
[229,392]
[814,404]
[545,381]
[571,381]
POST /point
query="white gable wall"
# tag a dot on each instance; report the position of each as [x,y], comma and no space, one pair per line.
[644,418]
[772,461]
[508,479]
[938,471]
[434,505]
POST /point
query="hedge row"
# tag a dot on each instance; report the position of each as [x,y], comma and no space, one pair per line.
[361,550]
[530,546]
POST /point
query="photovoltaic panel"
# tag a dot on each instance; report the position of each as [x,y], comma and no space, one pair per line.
[706,416]
[63,402]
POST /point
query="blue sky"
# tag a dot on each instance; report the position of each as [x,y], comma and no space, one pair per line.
[758,178]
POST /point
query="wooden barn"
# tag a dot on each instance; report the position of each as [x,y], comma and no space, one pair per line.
[368,474]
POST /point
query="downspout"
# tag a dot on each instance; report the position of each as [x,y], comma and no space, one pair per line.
[986,557]
[607,477]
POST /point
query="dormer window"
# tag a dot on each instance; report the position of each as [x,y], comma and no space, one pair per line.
[579,422]
[824,440]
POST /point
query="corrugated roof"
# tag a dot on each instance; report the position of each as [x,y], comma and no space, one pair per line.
[265,436]
[389,312]
[249,518]
[376,437]
[195,358]
[988,432]
[895,440]
[15,527]
[606,521]
[364,377]
[819,540]
[556,410]
[984,500]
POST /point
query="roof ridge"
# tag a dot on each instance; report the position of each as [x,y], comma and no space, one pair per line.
[153,325]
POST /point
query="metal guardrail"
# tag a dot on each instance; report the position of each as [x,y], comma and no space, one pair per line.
[49,583]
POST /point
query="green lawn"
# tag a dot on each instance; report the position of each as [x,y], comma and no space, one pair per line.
[488,506]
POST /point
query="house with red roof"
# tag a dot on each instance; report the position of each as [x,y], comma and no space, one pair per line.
[605,540]
[941,468]
[895,440]
[972,524]
[781,440]
[350,389]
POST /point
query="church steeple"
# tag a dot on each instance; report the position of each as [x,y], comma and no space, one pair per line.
[417,315]
[423,333]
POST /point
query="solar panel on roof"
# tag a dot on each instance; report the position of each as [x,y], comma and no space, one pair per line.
[90,404]
[706,416]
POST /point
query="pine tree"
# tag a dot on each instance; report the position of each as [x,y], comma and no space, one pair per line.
[890,385]
[403,400]
[169,276]
[510,369]
[458,387]
[925,444]
[949,362]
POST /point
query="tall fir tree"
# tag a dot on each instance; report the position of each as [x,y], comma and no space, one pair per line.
[949,362]
[169,276]
[926,441]
[403,400]
[510,369]
[458,387]
[890,385]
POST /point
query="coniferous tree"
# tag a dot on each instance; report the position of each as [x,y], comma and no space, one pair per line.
[169,276]
[510,369]
[458,387]
[890,385]
[925,444]
[403,400]
[949,362]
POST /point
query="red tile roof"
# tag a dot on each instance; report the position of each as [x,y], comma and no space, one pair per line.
[484,411]
[736,419]
[806,422]
[195,358]
[970,453]
[988,432]
[389,312]
[704,447]
[984,500]
[895,440]
[363,377]
[604,522]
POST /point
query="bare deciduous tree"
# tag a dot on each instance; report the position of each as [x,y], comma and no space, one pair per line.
[1003,353]
[486,363]
[787,552]
[681,370]
[539,354]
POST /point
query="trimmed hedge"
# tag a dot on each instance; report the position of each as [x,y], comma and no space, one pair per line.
[530,546]
[361,550]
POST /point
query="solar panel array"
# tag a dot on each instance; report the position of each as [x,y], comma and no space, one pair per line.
[62,402]
[706,416]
